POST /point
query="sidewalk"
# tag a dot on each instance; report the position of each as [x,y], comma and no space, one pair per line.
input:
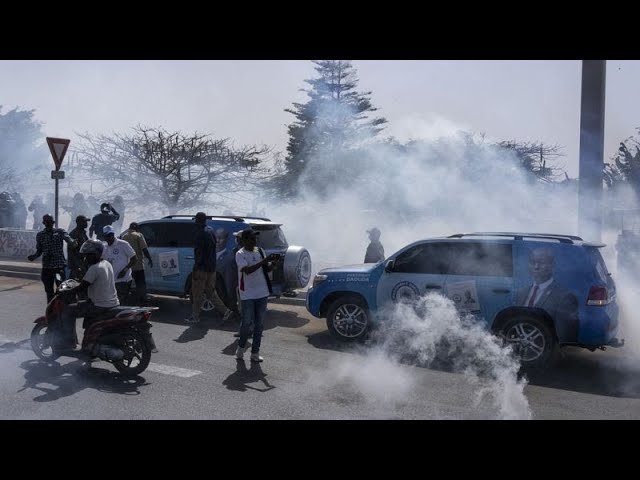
[12,267]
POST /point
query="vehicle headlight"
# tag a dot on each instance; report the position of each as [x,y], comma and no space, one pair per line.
[318,279]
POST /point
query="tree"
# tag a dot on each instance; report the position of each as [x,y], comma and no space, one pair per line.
[178,171]
[20,134]
[536,158]
[333,123]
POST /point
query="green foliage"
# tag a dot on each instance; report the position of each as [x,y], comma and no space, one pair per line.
[334,121]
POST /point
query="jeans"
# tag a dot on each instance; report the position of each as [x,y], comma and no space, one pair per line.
[253,313]
[122,290]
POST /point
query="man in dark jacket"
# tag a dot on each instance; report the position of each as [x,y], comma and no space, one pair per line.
[79,235]
[103,219]
[49,245]
[203,276]
[375,250]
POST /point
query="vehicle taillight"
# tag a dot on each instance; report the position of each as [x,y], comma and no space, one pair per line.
[598,296]
[146,316]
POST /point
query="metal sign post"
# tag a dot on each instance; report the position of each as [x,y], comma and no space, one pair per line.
[58,148]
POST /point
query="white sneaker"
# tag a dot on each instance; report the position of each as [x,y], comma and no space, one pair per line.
[240,353]
[256,357]
[227,315]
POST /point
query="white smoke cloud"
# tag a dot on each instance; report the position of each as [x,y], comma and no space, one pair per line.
[429,334]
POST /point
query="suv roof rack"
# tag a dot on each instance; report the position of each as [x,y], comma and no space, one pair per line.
[520,235]
[237,218]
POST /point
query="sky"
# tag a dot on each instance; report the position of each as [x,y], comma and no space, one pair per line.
[245,100]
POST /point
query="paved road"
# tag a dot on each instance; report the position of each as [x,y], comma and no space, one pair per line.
[306,375]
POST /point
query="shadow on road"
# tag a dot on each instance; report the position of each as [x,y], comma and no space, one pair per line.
[56,381]
[240,379]
[213,321]
[596,373]
[579,370]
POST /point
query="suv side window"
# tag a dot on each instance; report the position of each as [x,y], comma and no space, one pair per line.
[152,232]
[478,259]
[179,235]
[423,258]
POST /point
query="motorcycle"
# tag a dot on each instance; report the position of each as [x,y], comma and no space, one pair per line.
[120,336]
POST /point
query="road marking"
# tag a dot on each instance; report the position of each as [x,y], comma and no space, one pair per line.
[169,370]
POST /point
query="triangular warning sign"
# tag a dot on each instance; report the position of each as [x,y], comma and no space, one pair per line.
[58,148]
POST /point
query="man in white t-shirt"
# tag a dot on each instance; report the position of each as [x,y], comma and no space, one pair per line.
[254,289]
[122,257]
[99,283]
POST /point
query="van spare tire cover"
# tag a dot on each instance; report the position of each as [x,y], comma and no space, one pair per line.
[297,267]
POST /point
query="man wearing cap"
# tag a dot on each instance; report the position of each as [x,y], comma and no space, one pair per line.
[49,245]
[79,234]
[136,239]
[375,250]
[122,257]
[254,289]
[103,219]
[203,276]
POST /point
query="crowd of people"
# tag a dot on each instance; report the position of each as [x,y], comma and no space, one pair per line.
[14,212]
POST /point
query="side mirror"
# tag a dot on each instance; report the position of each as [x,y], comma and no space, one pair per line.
[388,267]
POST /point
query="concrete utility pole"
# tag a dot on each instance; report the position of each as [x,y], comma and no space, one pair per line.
[591,149]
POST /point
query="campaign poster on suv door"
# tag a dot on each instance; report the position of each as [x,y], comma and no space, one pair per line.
[169,263]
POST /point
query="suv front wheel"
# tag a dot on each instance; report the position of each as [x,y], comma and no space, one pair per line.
[348,318]
[532,340]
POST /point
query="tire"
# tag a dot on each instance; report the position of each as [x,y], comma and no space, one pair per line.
[41,343]
[297,267]
[532,340]
[137,354]
[348,318]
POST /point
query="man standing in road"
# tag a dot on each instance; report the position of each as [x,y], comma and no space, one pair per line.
[103,219]
[203,277]
[49,245]
[255,288]
[122,257]
[375,250]
[79,235]
[139,244]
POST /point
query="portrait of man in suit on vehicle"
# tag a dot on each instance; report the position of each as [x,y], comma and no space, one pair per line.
[546,293]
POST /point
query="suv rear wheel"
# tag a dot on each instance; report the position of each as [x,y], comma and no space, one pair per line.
[532,340]
[348,318]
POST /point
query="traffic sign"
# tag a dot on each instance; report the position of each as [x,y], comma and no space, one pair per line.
[57,174]
[58,148]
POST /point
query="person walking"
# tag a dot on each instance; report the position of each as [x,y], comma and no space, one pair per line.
[49,245]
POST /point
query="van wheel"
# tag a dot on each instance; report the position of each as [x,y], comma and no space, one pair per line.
[532,340]
[348,318]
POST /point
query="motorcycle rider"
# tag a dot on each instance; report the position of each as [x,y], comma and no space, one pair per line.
[99,282]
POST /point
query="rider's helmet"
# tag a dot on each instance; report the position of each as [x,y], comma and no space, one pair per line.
[92,250]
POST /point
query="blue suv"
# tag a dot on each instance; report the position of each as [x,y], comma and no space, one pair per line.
[538,291]
[170,242]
